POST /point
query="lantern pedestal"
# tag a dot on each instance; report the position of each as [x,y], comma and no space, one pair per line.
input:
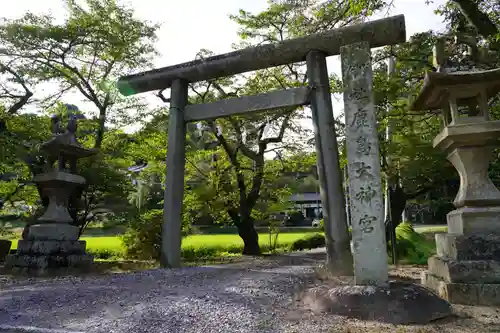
[469,147]
[466,269]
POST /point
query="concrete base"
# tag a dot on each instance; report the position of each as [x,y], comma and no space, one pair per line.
[40,257]
[466,269]
[485,294]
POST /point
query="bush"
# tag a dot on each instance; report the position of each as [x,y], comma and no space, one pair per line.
[308,242]
[295,218]
[105,253]
[209,252]
[112,221]
[142,239]
[5,233]
[411,246]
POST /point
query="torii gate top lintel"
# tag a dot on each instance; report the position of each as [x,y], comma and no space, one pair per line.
[382,32]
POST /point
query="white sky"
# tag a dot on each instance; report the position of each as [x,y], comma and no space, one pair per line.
[189,25]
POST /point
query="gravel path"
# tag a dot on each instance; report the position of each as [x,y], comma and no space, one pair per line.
[253,296]
[224,298]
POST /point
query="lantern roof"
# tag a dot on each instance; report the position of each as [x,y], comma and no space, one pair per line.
[437,87]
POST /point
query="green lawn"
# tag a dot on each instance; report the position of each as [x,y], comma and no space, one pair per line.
[431,229]
[192,246]
[235,240]
[113,243]
[218,245]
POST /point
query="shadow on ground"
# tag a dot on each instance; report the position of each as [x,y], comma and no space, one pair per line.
[252,296]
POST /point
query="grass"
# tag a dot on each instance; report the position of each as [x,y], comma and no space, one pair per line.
[193,247]
[430,229]
[230,240]
[112,243]
[414,246]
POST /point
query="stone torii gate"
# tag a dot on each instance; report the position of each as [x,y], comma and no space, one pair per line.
[351,41]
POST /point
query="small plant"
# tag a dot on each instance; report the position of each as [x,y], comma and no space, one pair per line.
[273,231]
[4,231]
[143,237]
[322,225]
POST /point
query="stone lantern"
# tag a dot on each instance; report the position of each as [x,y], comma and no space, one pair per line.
[51,243]
[466,269]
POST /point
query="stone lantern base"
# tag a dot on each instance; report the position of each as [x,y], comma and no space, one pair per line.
[49,248]
[466,269]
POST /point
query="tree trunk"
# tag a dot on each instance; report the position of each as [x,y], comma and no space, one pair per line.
[398,202]
[250,237]
[247,232]
[100,131]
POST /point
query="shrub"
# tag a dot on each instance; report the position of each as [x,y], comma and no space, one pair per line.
[411,246]
[112,221]
[295,218]
[308,242]
[105,253]
[322,225]
[209,252]
[4,231]
[142,239]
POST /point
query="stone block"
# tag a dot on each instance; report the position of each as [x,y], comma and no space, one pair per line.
[53,231]
[470,220]
[466,271]
[5,245]
[463,293]
[51,247]
[479,246]
[429,281]
[48,261]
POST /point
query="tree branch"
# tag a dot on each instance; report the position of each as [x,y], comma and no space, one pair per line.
[23,100]
[477,18]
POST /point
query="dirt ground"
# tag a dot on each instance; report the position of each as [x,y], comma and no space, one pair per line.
[466,319]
